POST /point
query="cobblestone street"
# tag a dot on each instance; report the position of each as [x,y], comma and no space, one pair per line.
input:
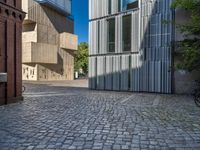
[59,115]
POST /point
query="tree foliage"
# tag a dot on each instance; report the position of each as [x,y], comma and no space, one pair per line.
[81,58]
[191,30]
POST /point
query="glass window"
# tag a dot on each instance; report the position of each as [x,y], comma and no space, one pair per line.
[128,4]
[98,32]
[109,6]
[119,5]
[111,35]
[126,33]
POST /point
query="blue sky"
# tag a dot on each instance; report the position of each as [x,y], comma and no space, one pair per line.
[80,13]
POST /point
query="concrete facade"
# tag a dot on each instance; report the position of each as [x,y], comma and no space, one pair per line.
[48,41]
[11,17]
[141,57]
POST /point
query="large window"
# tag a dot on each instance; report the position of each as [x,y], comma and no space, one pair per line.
[128,4]
[119,5]
[111,35]
[98,33]
[126,33]
[109,6]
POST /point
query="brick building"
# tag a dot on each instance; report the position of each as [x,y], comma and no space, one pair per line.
[11,17]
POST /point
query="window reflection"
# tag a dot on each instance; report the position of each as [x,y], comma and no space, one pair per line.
[128,4]
[111,35]
[126,30]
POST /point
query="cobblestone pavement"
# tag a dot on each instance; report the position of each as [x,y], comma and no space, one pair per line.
[64,117]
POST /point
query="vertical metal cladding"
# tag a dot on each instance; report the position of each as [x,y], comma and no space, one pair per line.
[101,72]
[108,72]
[116,73]
[92,72]
[125,72]
[147,66]
[135,32]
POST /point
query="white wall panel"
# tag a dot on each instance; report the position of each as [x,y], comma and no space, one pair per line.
[109,72]
[147,66]
[135,72]
[135,32]
[118,33]
[125,72]
[101,72]
[92,72]
[116,72]
[103,36]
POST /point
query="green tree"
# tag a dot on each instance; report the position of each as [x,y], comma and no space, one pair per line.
[190,47]
[81,58]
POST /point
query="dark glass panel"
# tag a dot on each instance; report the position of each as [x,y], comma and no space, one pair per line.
[111,35]
[126,33]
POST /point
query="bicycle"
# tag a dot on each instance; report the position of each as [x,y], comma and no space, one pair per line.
[196,94]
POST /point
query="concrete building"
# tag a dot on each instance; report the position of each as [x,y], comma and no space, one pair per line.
[130,46]
[48,40]
[11,18]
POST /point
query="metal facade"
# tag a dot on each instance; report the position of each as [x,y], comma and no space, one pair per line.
[147,67]
[63,6]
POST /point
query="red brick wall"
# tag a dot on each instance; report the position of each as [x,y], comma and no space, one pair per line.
[10,49]
[13,3]
[2,57]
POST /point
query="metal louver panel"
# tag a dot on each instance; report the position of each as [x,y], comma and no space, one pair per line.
[135,32]
[116,73]
[103,37]
[135,72]
[101,72]
[147,67]
[118,33]
[109,72]
[92,72]
[125,62]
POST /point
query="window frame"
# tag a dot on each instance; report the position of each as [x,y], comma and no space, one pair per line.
[108,35]
[123,45]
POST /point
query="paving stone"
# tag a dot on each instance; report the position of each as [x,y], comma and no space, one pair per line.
[125,147]
[72,147]
[30,147]
[79,118]
[116,147]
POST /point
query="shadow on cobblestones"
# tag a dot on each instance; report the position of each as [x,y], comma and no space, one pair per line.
[64,117]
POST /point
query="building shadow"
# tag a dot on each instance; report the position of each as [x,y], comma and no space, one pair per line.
[61,24]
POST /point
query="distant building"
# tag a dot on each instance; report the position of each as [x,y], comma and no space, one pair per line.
[11,17]
[130,46]
[48,40]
